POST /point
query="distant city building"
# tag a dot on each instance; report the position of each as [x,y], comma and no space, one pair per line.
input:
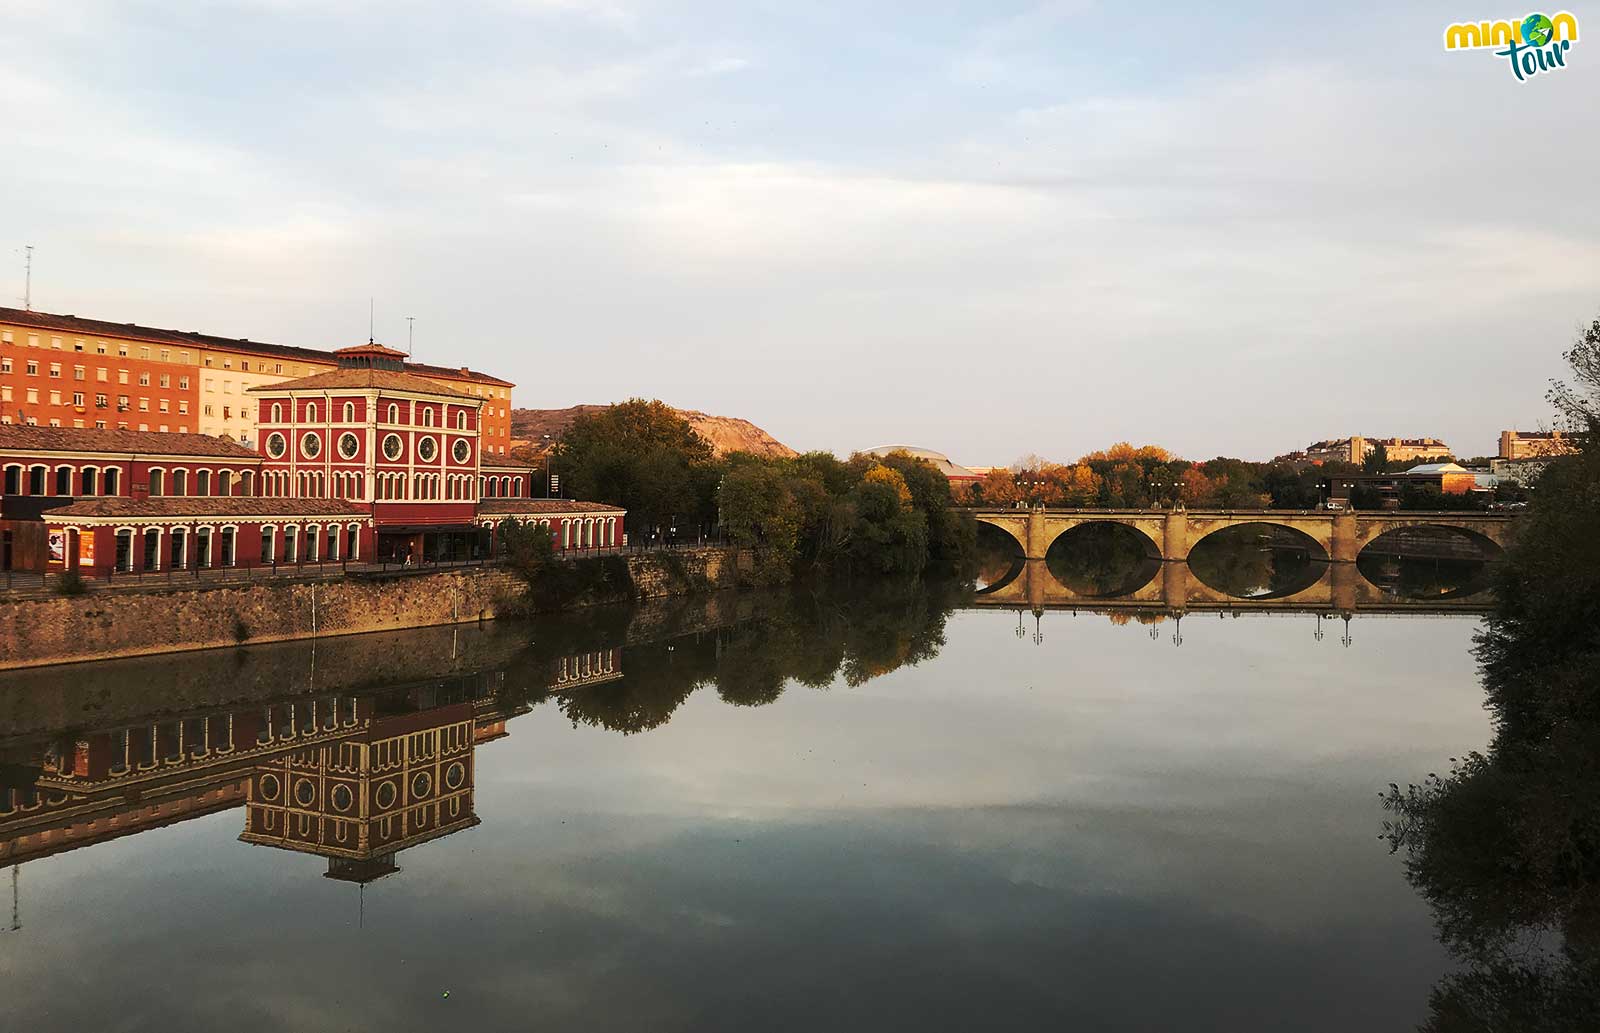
[1528,444]
[1525,471]
[940,461]
[1356,448]
[1449,478]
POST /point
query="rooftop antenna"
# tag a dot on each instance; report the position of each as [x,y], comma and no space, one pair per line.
[411,327]
[27,278]
[370,324]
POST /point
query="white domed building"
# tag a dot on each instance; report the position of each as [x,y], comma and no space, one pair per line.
[941,462]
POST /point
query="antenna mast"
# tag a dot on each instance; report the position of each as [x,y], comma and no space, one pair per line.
[411,327]
[370,322]
[27,278]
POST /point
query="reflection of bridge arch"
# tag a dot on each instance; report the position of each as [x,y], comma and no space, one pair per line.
[1488,546]
[1318,550]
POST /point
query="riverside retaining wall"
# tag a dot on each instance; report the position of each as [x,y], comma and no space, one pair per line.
[139,622]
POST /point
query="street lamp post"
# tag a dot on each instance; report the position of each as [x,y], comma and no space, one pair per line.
[546,438]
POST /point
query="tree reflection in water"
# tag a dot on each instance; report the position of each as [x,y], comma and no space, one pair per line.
[1103,560]
[804,639]
[1257,561]
[1505,847]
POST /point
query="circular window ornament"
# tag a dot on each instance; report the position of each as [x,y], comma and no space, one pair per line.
[421,785]
[348,445]
[305,792]
[276,445]
[343,798]
[311,446]
[427,449]
[461,450]
[392,447]
[455,775]
[270,787]
[385,795]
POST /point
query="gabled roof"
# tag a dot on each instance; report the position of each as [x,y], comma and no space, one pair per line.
[22,438]
[365,379]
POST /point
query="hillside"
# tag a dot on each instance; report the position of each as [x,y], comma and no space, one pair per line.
[726,433]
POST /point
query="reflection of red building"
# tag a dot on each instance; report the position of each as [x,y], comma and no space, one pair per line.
[403,780]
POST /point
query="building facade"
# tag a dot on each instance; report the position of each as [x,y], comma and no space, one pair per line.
[66,371]
[1533,444]
[1356,448]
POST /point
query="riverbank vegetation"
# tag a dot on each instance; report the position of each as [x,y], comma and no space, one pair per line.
[812,513]
[1505,847]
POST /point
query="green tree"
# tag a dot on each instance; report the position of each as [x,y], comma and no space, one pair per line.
[760,512]
[644,457]
[1377,460]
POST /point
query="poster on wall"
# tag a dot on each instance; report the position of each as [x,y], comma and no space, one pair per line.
[58,545]
[86,550]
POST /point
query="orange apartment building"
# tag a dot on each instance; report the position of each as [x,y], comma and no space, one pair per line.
[66,371]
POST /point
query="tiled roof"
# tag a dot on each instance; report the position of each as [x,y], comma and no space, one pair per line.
[193,338]
[422,369]
[511,507]
[370,348]
[361,379]
[22,438]
[164,506]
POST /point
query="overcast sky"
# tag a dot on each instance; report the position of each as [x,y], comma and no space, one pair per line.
[985,228]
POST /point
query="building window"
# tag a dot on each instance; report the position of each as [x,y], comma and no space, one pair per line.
[180,482]
[144,379]
[394,413]
[226,559]
[152,549]
[55,397]
[277,413]
[63,480]
[158,482]
[349,412]
[290,545]
[55,371]
[461,419]
[109,483]
[202,547]
[78,373]
[124,560]
[269,539]
[102,374]
[166,380]
[33,367]
[183,407]
[183,383]
[178,553]
[202,483]
[13,480]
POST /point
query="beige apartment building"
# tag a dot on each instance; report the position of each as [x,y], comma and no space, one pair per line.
[1532,444]
[1355,449]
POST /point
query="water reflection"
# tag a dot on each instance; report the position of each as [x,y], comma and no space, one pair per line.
[1101,561]
[568,823]
[1258,561]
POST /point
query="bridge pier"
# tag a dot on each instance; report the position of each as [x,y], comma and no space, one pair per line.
[1037,543]
[1175,586]
[1342,542]
[1175,536]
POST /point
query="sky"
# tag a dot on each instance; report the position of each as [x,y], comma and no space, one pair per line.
[987,228]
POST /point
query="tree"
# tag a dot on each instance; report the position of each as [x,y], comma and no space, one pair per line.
[644,457]
[1000,488]
[1578,401]
[1377,460]
[760,512]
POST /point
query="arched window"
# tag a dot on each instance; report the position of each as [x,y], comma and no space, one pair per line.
[224,482]
[202,482]
[63,480]
[516,488]
[427,415]
[14,480]
[246,480]
[158,480]
[394,413]
[110,482]
[461,419]
[36,479]
[277,413]
[180,482]
[349,412]
[311,412]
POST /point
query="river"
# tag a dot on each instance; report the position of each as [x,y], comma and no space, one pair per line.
[882,809]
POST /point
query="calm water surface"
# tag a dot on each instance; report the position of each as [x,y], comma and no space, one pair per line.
[797,813]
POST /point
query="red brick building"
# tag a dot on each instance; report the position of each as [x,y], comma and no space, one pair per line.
[365,462]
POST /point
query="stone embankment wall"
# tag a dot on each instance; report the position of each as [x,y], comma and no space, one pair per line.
[138,622]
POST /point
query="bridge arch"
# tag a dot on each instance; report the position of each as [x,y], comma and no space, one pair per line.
[1489,548]
[1315,549]
[1152,548]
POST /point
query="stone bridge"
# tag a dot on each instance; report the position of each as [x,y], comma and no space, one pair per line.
[1172,533]
[1340,588]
